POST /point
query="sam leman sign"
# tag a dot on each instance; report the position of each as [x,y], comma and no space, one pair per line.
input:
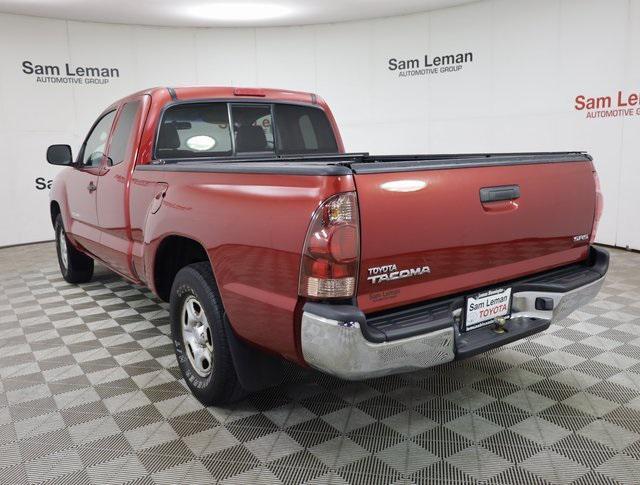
[69,74]
[429,65]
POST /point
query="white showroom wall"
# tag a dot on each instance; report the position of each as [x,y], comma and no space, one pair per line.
[529,62]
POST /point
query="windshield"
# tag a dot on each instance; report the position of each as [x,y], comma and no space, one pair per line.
[194,130]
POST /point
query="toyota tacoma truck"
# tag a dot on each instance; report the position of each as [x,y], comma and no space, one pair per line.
[240,208]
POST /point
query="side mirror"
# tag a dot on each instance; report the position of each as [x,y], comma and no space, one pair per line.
[59,155]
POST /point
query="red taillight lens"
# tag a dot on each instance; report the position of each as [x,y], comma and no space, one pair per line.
[598,211]
[331,251]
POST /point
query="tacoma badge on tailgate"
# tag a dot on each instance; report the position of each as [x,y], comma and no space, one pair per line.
[390,272]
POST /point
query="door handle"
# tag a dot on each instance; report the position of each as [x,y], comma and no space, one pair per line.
[496,194]
[92,187]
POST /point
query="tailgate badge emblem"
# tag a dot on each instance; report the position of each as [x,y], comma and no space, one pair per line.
[581,237]
[390,272]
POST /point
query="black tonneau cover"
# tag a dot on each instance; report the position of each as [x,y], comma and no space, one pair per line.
[347,163]
[401,163]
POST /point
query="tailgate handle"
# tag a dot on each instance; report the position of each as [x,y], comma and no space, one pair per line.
[503,192]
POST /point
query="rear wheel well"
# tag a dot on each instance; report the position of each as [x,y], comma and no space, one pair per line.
[55,210]
[174,253]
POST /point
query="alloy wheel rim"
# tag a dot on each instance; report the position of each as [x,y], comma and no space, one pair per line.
[64,251]
[196,336]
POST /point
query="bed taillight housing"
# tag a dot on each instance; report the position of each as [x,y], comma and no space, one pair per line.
[329,267]
[598,210]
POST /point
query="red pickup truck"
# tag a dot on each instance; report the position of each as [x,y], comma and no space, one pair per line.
[240,208]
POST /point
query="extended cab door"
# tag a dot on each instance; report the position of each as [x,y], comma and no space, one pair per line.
[83,184]
[113,205]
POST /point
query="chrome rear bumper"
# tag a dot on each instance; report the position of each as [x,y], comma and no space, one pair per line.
[338,347]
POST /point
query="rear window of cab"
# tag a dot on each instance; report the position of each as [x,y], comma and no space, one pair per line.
[219,129]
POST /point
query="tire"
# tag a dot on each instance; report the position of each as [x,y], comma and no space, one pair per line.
[198,331]
[76,267]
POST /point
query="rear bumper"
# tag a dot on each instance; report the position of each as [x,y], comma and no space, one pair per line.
[337,339]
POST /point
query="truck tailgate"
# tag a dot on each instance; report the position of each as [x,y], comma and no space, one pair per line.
[432,221]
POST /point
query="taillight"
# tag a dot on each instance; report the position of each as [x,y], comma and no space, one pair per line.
[598,211]
[331,251]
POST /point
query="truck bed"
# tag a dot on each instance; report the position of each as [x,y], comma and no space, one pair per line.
[347,163]
[473,219]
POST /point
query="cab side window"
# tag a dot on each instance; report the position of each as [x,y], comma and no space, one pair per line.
[94,147]
[123,133]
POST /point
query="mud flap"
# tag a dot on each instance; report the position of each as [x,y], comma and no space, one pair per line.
[256,369]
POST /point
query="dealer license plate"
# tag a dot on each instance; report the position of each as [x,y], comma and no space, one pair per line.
[484,308]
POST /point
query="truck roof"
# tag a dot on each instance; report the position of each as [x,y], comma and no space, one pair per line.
[226,92]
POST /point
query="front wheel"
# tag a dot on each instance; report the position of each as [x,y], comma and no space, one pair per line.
[199,338]
[75,266]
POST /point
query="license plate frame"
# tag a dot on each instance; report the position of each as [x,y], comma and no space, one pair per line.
[488,305]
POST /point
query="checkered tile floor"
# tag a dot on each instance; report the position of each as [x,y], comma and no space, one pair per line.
[90,393]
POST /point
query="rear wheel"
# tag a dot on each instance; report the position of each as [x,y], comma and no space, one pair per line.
[199,337]
[76,267]
[196,336]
